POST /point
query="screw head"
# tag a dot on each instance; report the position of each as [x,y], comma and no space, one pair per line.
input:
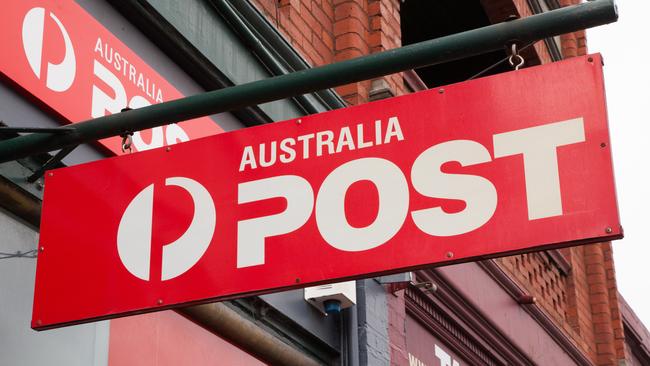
[160,301]
[298,121]
[297,280]
[39,322]
[602,144]
[41,249]
[50,174]
[168,149]
[441,91]
[449,255]
[608,230]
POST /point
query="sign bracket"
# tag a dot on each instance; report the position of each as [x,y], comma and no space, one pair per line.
[51,163]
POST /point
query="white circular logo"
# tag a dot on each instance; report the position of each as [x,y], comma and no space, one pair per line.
[59,76]
[135,231]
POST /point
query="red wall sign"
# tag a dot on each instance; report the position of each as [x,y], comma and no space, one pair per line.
[502,164]
[58,53]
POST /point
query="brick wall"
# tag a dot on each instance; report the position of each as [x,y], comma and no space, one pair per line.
[324,31]
[544,280]
[306,24]
[351,33]
[584,301]
[573,44]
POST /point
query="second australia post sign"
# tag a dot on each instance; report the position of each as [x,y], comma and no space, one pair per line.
[497,165]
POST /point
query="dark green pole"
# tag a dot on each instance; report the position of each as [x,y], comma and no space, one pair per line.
[449,48]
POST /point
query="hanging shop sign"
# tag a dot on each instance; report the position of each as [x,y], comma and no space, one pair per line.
[67,61]
[509,163]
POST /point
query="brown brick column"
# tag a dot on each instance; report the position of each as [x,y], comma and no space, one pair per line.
[351,29]
[325,31]
[385,34]
[306,24]
[614,303]
[600,304]
[601,331]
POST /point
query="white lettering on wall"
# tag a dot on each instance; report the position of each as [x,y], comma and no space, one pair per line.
[444,357]
[414,361]
[109,67]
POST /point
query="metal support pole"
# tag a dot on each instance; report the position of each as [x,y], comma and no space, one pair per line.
[444,49]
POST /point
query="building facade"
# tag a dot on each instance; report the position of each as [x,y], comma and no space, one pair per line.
[555,307]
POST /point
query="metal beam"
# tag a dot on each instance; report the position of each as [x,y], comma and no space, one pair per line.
[444,49]
[19,202]
[243,333]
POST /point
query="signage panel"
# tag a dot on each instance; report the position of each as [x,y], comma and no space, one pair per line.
[64,58]
[504,164]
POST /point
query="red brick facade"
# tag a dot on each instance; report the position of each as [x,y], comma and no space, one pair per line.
[324,31]
[583,300]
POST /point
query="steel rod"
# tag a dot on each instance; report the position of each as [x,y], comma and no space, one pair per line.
[51,163]
[444,49]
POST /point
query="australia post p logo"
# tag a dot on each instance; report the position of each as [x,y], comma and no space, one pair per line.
[58,75]
[134,236]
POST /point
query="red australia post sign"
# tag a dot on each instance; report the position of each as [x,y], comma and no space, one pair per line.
[503,164]
[67,61]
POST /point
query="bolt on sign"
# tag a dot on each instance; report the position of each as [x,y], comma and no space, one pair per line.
[504,164]
[62,57]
